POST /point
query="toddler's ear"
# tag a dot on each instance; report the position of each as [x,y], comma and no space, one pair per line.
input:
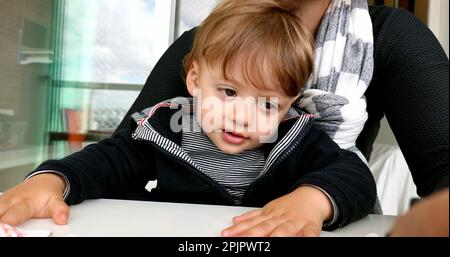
[192,79]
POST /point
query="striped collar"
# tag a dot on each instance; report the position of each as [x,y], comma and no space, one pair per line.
[153,124]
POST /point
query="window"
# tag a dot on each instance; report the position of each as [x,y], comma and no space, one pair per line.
[113,41]
[69,70]
[105,51]
[193,12]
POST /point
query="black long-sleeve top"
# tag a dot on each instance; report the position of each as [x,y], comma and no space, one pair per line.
[409,86]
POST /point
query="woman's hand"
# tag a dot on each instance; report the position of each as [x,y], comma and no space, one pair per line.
[299,213]
[429,217]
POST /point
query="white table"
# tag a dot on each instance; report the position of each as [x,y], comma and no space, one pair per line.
[138,218]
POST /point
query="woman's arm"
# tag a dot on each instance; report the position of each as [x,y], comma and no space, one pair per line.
[410,86]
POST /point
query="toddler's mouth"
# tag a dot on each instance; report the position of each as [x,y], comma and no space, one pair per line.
[233,137]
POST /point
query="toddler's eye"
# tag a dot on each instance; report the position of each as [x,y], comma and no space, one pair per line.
[229,92]
[270,106]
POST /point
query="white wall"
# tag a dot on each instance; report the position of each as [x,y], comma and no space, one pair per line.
[438,20]
[385,135]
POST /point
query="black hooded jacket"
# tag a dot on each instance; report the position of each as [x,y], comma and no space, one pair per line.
[121,166]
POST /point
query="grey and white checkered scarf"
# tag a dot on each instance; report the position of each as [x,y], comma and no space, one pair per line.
[342,72]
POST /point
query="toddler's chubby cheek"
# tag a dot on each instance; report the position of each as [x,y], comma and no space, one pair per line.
[211,120]
[269,133]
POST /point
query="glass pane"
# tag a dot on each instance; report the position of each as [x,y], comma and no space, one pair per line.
[108,107]
[193,12]
[108,47]
[70,70]
[114,41]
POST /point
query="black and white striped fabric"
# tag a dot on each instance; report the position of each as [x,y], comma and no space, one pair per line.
[233,172]
[343,69]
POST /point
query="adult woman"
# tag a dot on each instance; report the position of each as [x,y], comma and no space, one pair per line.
[409,85]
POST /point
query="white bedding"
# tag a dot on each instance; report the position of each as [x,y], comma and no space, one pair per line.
[394,182]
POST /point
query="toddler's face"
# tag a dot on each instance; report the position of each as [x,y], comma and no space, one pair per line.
[236,115]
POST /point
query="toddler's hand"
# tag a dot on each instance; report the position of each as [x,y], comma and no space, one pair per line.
[299,213]
[38,197]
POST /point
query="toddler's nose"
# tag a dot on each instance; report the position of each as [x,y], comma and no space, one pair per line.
[242,115]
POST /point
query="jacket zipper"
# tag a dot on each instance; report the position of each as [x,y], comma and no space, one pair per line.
[277,163]
[217,186]
[197,172]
